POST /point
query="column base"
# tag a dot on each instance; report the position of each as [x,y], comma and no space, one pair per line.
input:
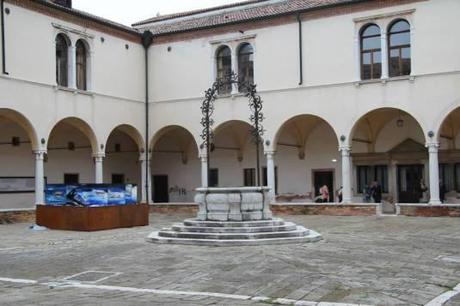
[435,202]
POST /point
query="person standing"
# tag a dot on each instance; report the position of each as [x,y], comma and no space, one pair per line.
[376,192]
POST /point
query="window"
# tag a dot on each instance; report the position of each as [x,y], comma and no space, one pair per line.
[249,177]
[213,177]
[224,68]
[118,179]
[371,53]
[62,60]
[447,176]
[81,65]
[265,178]
[399,49]
[245,65]
[367,174]
[71,178]
[457,177]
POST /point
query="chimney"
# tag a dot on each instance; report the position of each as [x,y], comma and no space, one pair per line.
[66,3]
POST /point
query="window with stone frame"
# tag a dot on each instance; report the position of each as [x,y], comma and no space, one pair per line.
[371,52]
[224,68]
[82,65]
[62,60]
[245,65]
[399,48]
[249,177]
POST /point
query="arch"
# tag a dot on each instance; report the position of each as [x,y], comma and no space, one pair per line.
[449,127]
[62,59]
[24,123]
[315,119]
[168,129]
[390,114]
[82,68]
[370,51]
[82,126]
[132,132]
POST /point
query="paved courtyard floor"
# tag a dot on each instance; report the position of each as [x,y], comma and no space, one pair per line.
[362,260]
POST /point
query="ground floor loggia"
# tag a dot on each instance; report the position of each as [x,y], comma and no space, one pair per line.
[388,146]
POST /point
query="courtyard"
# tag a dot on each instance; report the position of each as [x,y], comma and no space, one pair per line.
[361,260]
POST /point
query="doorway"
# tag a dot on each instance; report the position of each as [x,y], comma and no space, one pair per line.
[321,178]
[160,189]
[409,177]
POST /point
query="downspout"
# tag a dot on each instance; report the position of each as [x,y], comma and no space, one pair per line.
[147,39]
[299,20]
[2,7]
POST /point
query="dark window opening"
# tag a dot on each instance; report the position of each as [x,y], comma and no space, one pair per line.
[224,69]
[213,177]
[62,59]
[249,177]
[81,65]
[71,178]
[118,179]
[367,174]
[245,66]
[265,178]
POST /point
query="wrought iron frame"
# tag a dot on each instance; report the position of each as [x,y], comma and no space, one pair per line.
[256,117]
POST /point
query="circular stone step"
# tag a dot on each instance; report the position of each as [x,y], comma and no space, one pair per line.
[312,236]
[300,231]
[262,223]
[288,226]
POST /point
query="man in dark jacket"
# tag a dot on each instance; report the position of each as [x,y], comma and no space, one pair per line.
[376,192]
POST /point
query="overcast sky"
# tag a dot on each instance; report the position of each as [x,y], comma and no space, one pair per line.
[128,12]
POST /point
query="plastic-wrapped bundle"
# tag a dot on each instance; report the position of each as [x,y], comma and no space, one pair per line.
[131,194]
[116,195]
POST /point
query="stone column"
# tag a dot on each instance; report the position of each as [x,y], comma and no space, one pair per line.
[384,53]
[235,70]
[204,170]
[434,173]
[346,175]
[98,165]
[39,177]
[145,180]
[72,67]
[271,173]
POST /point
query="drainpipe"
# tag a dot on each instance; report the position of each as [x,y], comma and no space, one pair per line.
[147,39]
[299,20]
[2,7]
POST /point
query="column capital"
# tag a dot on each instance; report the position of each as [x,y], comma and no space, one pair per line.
[99,155]
[143,157]
[40,154]
[203,155]
[433,147]
[344,148]
[270,154]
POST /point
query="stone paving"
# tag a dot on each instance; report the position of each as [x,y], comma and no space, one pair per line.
[362,260]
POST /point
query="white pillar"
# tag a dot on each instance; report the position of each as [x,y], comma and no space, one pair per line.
[39,177]
[384,53]
[271,173]
[235,70]
[72,67]
[434,172]
[204,170]
[99,170]
[145,180]
[346,175]
[357,58]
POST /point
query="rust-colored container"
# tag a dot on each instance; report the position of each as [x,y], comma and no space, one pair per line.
[90,219]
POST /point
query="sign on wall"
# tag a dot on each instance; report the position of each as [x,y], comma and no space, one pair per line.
[17,185]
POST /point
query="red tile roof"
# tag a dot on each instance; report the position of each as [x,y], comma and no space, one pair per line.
[230,14]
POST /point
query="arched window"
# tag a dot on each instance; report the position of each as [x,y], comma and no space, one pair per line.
[224,68]
[246,64]
[371,53]
[399,49]
[62,60]
[82,62]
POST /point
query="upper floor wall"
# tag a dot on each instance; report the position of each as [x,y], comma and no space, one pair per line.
[182,68]
[115,63]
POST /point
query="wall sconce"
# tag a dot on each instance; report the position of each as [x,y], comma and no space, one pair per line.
[400,121]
